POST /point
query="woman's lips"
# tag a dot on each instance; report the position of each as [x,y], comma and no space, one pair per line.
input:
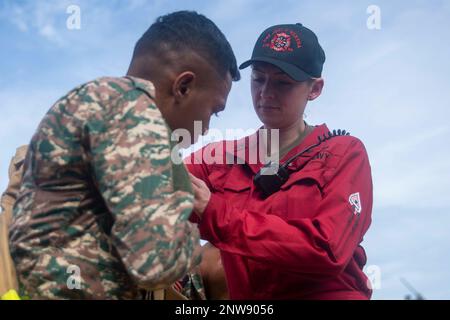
[268,108]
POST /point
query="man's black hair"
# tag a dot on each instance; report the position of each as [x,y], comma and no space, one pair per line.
[189,30]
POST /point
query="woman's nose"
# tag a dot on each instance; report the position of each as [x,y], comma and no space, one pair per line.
[266,90]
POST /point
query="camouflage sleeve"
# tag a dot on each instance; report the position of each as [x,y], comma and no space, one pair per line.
[130,157]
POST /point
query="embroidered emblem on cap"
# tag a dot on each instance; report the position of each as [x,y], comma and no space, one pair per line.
[282,40]
[355,202]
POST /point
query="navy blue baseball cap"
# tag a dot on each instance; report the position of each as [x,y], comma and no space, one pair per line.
[292,48]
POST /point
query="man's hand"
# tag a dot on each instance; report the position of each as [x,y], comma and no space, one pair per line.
[202,195]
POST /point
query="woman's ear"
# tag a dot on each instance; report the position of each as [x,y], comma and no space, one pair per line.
[183,85]
[316,88]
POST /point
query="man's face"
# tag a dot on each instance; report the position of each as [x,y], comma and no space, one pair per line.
[208,97]
[279,101]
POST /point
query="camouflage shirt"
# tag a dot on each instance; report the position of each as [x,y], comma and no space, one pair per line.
[99,215]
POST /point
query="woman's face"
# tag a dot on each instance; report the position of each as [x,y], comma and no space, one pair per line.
[279,101]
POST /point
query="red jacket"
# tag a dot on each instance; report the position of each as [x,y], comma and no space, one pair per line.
[302,242]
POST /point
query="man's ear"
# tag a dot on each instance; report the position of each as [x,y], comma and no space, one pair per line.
[183,85]
[316,89]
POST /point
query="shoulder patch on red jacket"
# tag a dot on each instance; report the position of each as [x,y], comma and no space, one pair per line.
[355,202]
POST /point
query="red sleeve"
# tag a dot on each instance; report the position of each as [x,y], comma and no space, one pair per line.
[324,244]
[194,164]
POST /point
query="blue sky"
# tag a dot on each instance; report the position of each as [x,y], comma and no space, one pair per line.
[389,87]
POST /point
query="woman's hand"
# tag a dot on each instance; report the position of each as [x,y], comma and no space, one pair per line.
[201,193]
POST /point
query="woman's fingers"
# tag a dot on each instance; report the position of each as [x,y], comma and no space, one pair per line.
[196,181]
[201,194]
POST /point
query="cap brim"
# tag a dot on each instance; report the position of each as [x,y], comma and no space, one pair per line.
[294,72]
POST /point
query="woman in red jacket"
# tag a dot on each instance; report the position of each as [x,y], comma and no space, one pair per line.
[295,232]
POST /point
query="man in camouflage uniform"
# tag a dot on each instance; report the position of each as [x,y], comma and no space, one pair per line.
[103,212]
[206,281]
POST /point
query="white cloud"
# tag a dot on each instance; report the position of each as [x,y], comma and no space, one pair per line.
[17,17]
[49,32]
[45,18]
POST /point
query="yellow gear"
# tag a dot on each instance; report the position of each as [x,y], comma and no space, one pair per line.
[10,295]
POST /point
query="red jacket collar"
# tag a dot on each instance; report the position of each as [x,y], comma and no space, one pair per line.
[249,145]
